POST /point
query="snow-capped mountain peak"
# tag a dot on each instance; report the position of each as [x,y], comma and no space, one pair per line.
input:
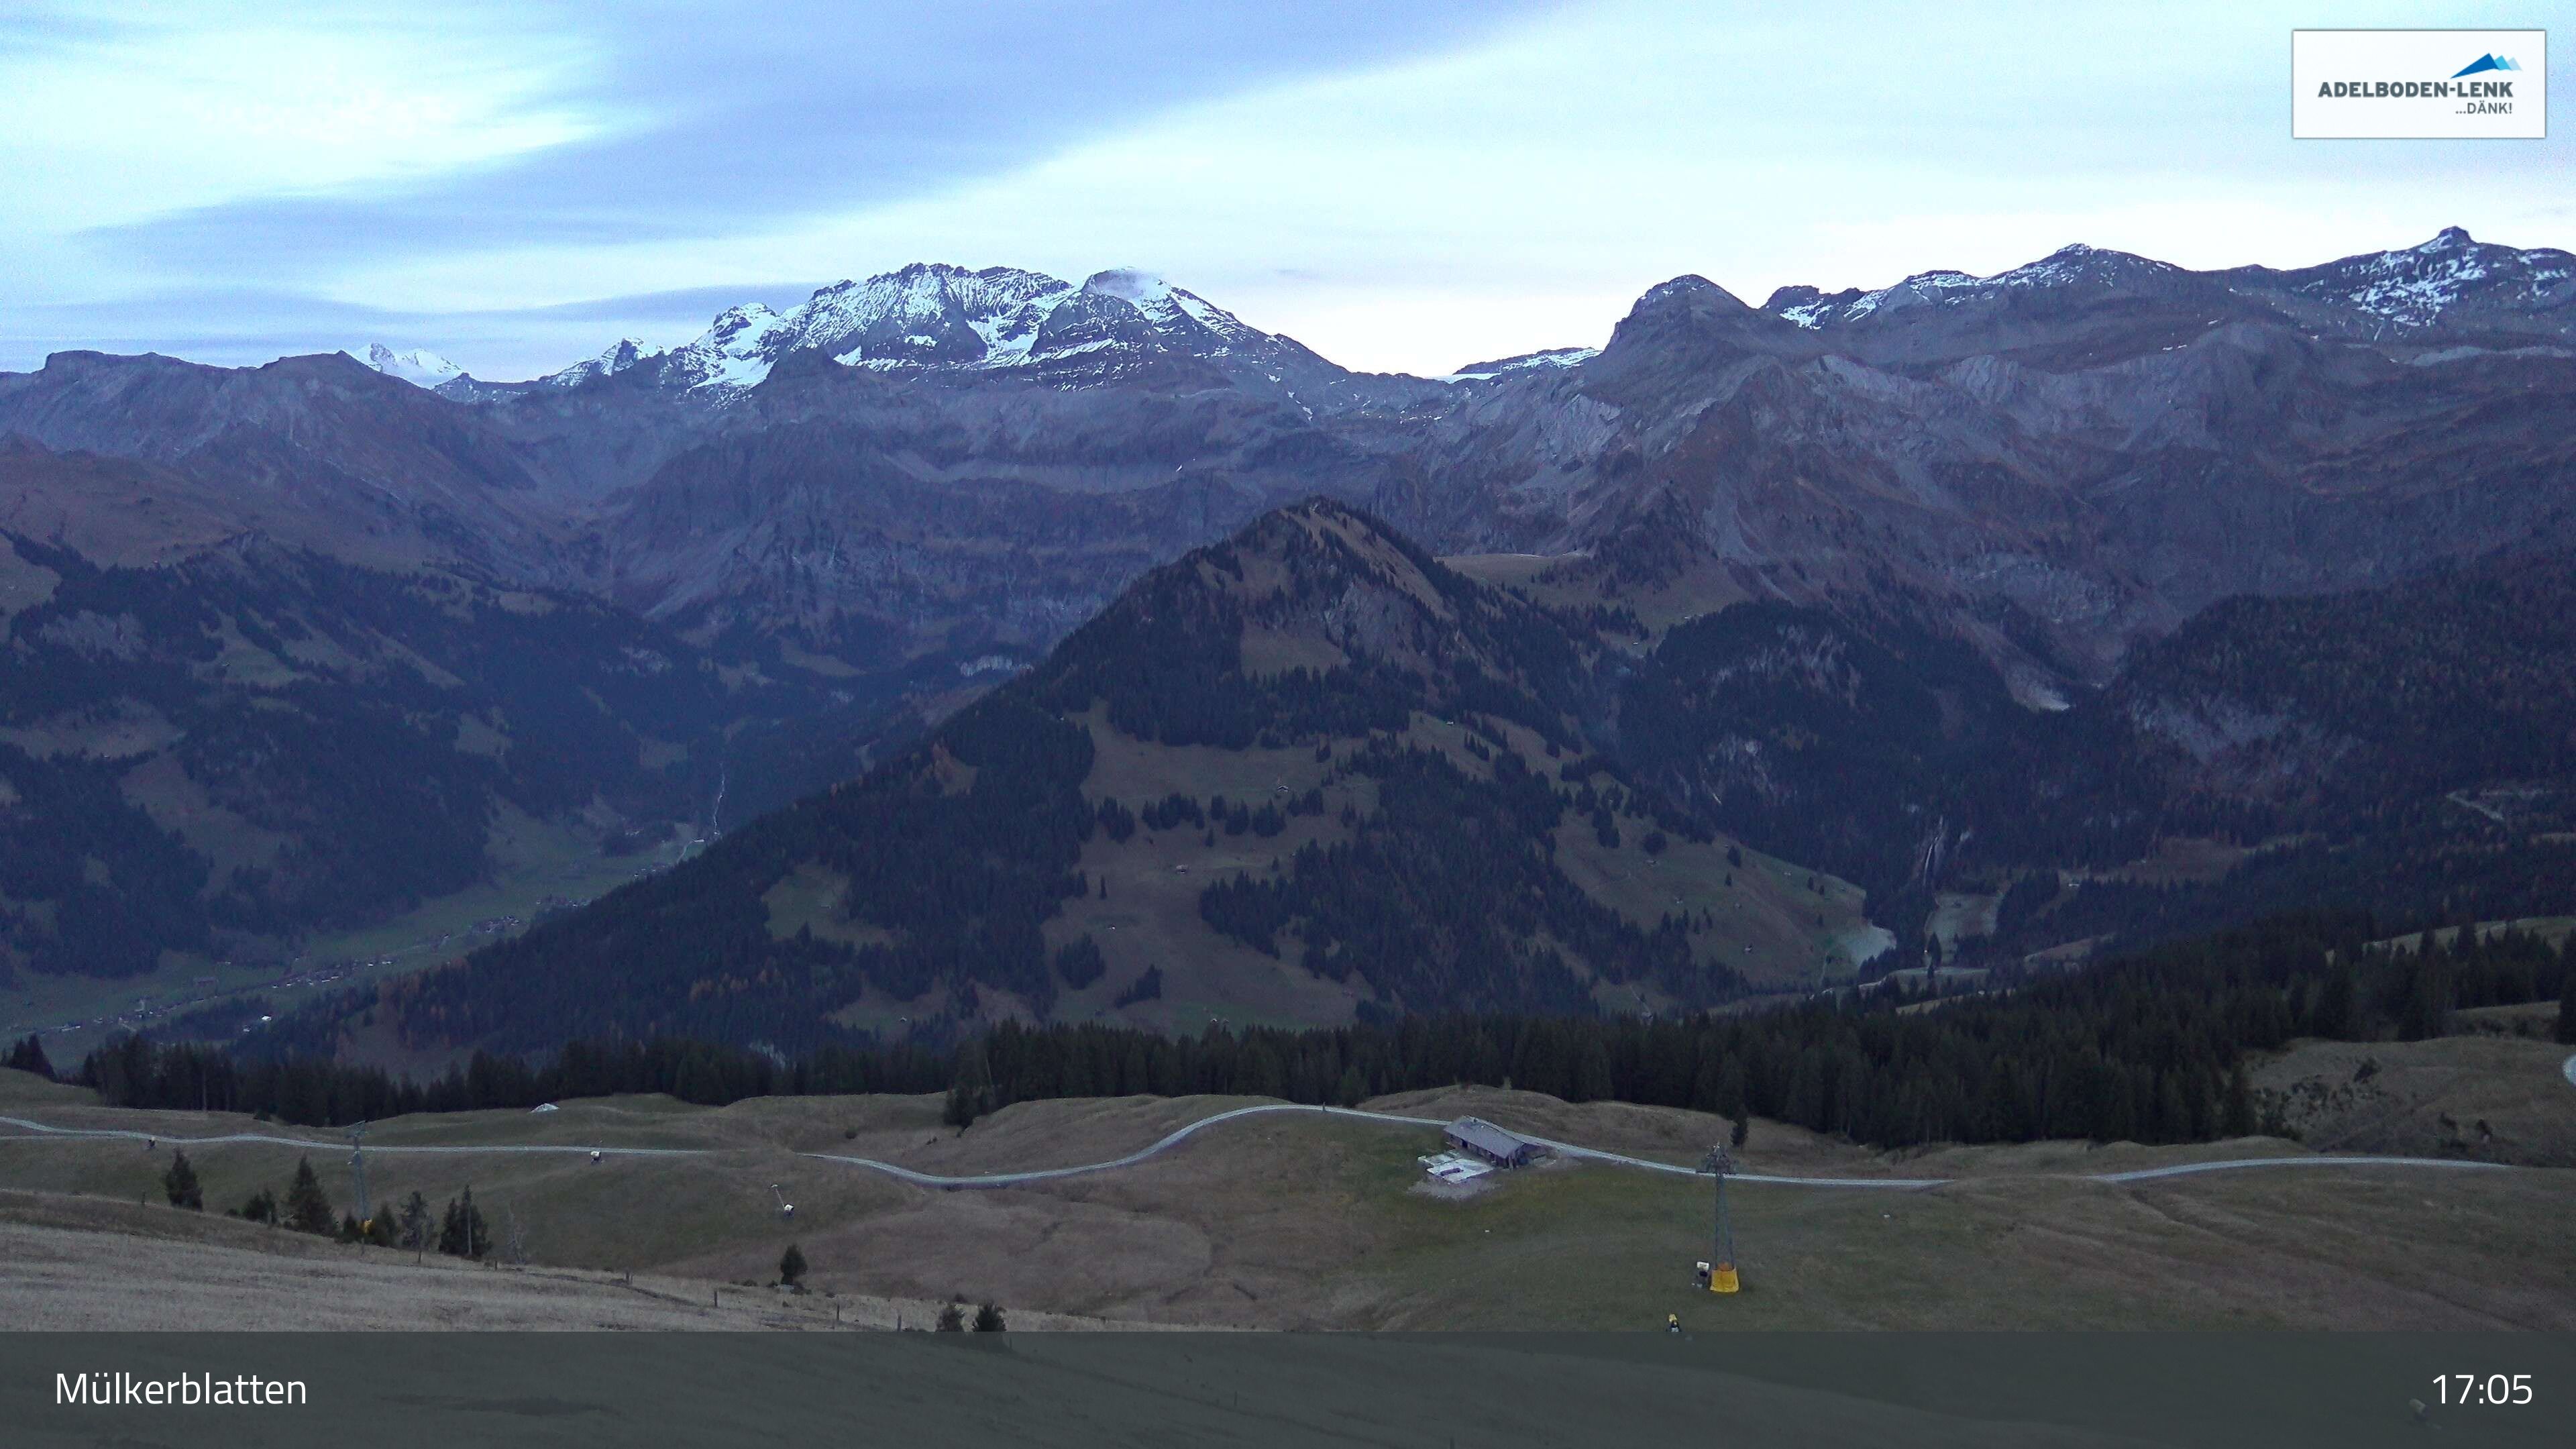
[419,367]
[620,355]
[1138,288]
[937,316]
[2415,287]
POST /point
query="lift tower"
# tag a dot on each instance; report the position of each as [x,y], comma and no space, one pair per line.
[1721,1241]
[358,1161]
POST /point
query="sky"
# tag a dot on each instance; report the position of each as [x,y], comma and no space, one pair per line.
[1403,187]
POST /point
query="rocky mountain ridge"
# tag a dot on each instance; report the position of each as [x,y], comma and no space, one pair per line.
[909,488]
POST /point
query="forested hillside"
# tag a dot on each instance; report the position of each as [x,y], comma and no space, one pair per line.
[221,754]
[1311,775]
[1307,774]
[2412,747]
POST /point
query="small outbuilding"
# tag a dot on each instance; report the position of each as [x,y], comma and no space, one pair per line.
[1493,1144]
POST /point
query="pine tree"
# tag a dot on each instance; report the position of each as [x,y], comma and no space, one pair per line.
[308,1208]
[462,1233]
[1591,1071]
[2238,1120]
[791,1266]
[29,1056]
[952,1319]
[988,1319]
[2332,1017]
[180,1182]
[970,1095]
[1742,1130]
[2567,1007]
[2428,1001]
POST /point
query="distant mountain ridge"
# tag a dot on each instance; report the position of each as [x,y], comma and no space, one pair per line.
[932,316]
[867,510]
[2076,453]
[2452,278]
[938,315]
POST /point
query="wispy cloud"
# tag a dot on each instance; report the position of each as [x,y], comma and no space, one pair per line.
[1399,186]
[655,123]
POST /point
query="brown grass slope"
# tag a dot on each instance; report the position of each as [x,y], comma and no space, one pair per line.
[1294,1221]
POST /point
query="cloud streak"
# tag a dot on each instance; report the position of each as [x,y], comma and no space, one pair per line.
[796,111]
[1399,187]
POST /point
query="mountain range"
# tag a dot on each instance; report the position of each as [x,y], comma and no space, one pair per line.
[2002,496]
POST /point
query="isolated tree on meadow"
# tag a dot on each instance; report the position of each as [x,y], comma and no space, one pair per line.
[180,1182]
[952,1319]
[308,1208]
[1743,1129]
[417,1227]
[988,1319]
[791,1265]
[2567,1008]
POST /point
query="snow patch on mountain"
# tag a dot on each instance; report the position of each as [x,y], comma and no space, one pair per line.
[1144,291]
[2415,286]
[730,356]
[625,353]
[2072,265]
[1547,360]
[1810,315]
[420,367]
[933,315]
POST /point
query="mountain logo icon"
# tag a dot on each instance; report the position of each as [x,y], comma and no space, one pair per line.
[2485,63]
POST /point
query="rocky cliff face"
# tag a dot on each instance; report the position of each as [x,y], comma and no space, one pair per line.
[2069,456]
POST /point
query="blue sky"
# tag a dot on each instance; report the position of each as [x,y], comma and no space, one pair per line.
[1400,186]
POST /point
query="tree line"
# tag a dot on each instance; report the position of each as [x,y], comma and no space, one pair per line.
[306,1208]
[2150,1048]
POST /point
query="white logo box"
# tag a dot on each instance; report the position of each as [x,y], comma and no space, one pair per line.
[2410,84]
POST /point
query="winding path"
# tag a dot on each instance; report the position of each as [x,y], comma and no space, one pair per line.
[119,1134]
[1182,1134]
